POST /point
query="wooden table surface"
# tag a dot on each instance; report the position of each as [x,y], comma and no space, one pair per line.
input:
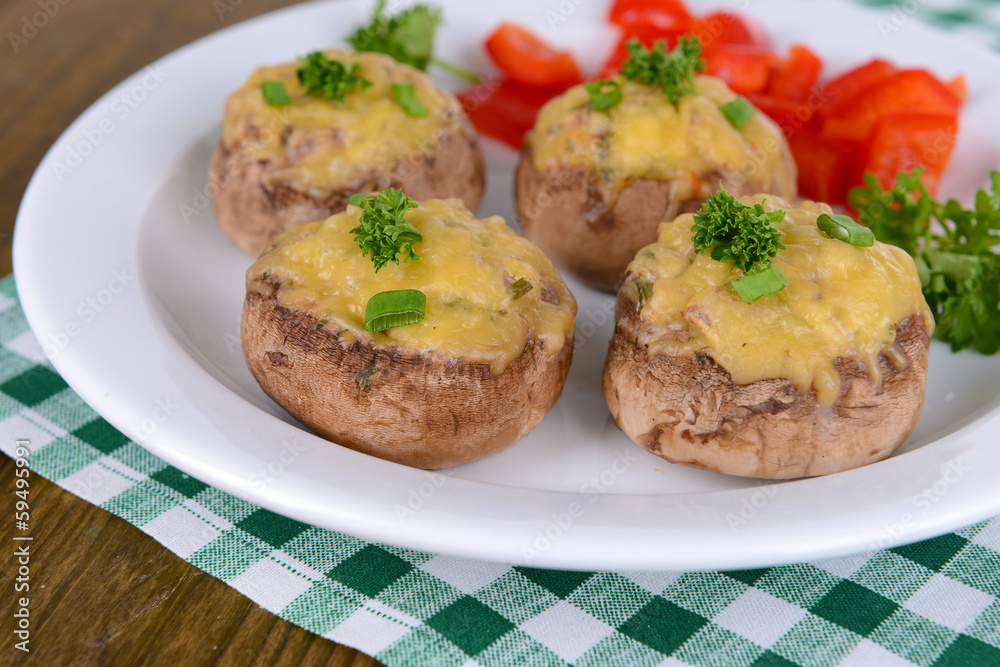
[103,591]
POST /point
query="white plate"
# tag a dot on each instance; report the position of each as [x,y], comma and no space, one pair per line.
[135,293]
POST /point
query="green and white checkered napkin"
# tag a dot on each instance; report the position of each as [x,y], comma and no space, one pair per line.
[932,603]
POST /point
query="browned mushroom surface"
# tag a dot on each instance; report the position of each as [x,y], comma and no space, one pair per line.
[472,378]
[279,165]
[825,375]
[592,186]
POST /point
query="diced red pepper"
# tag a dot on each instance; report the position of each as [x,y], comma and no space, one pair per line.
[526,58]
[910,91]
[959,88]
[902,142]
[504,110]
[745,69]
[794,77]
[841,91]
[790,115]
[662,14]
[726,28]
[825,167]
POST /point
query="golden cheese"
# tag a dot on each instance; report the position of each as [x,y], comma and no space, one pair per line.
[647,136]
[465,269]
[321,145]
[842,301]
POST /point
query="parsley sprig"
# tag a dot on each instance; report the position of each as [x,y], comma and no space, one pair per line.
[737,233]
[383,232]
[672,72]
[407,36]
[330,79]
[747,236]
[959,271]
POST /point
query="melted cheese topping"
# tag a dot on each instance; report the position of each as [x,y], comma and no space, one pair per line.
[320,145]
[465,268]
[842,301]
[647,136]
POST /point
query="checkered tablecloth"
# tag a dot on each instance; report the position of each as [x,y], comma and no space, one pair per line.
[932,603]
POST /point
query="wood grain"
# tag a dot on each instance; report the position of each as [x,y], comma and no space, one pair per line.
[103,592]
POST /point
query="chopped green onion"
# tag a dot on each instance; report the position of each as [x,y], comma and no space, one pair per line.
[359,198]
[761,280]
[407,98]
[604,94]
[520,287]
[645,292]
[275,94]
[395,308]
[843,228]
[739,112]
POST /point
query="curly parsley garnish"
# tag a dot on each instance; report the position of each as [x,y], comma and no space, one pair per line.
[747,236]
[330,79]
[672,72]
[384,234]
[408,37]
[959,271]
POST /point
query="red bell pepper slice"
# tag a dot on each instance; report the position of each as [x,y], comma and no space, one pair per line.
[526,58]
[910,91]
[790,115]
[959,88]
[794,77]
[825,167]
[745,69]
[839,92]
[727,28]
[504,110]
[902,142]
[662,14]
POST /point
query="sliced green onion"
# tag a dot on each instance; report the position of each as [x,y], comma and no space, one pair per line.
[604,94]
[759,281]
[406,95]
[739,112]
[275,94]
[645,292]
[843,228]
[359,198]
[520,287]
[395,308]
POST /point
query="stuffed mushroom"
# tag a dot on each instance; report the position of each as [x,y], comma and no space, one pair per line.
[592,185]
[469,375]
[300,138]
[821,376]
